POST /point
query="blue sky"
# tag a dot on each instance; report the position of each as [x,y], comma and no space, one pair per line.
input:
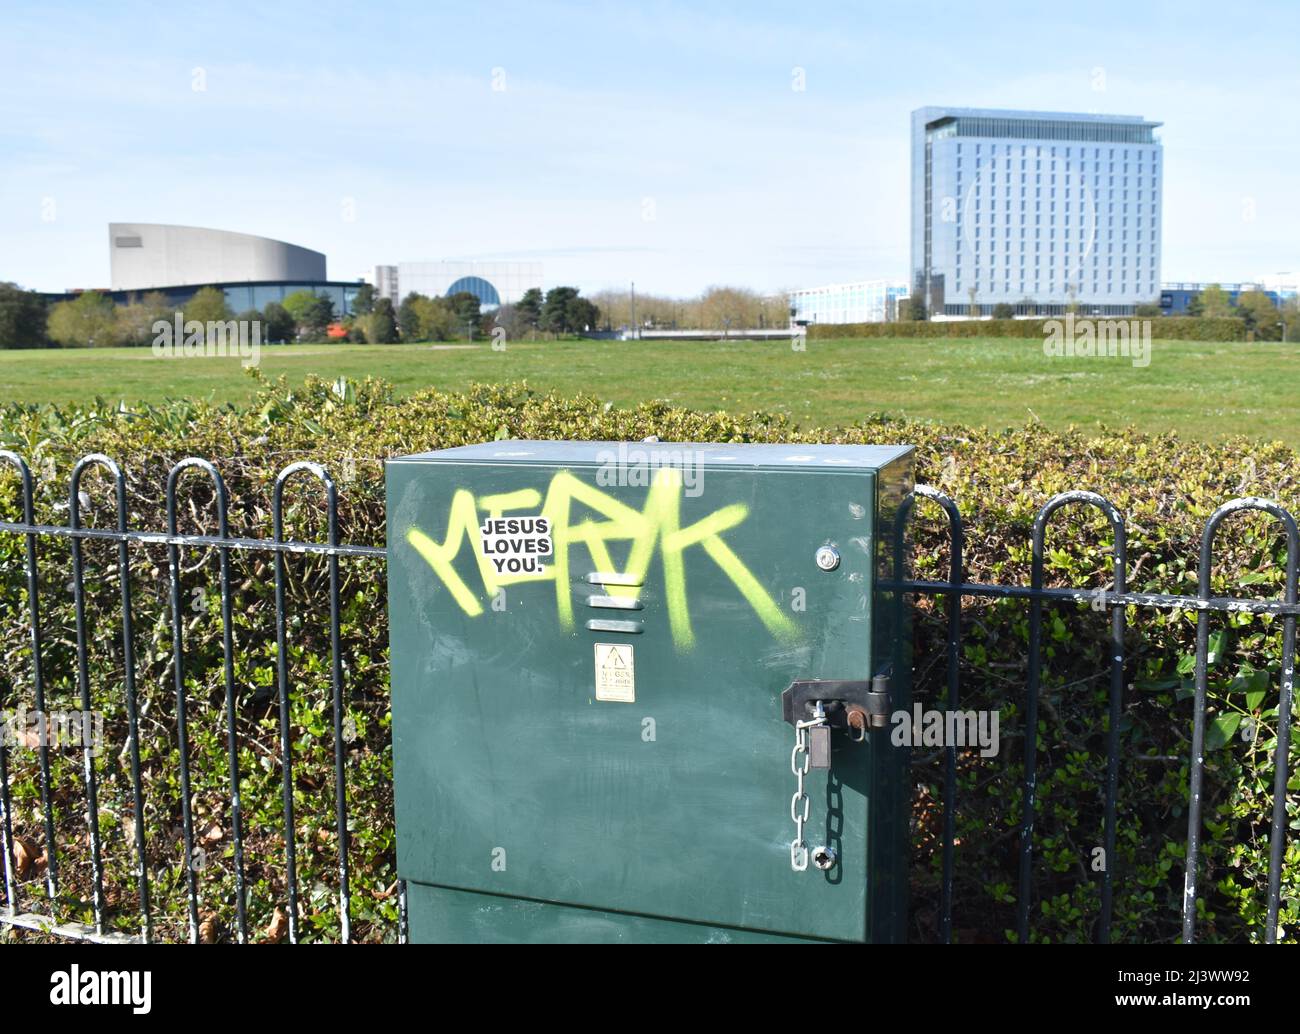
[661,143]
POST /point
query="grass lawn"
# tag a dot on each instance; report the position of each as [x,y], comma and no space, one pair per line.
[1204,390]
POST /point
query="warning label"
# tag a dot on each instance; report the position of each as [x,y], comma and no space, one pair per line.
[516,545]
[615,675]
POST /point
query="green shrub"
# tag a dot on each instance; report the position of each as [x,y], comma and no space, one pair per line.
[22,317]
[1166,487]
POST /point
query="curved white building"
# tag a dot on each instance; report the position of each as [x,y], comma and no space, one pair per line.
[153,255]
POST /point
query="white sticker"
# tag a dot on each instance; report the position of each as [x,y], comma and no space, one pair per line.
[516,545]
[615,674]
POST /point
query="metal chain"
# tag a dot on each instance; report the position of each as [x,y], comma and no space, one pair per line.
[799,849]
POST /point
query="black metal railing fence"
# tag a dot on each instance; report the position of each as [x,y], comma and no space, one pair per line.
[1116,600]
[954,590]
[278,546]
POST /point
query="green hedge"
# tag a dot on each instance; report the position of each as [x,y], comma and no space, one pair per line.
[1166,487]
[1171,328]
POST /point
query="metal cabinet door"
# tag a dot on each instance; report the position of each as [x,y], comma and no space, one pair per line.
[514,778]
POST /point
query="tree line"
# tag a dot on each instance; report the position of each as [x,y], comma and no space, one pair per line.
[93,319]
[717,308]
[1262,317]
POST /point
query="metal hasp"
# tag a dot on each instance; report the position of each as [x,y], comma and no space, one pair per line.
[841,699]
[589,645]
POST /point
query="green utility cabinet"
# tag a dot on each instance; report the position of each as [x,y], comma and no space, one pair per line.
[598,652]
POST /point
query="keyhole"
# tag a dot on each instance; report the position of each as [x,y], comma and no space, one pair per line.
[824,857]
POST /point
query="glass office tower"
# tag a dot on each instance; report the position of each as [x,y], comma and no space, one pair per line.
[1038,210]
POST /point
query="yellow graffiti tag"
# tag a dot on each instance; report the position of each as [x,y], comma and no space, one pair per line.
[656,525]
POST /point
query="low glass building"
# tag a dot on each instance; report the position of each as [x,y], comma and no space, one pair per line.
[863,301]
[240,297]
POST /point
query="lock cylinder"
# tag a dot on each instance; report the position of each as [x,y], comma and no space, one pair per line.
[823,857]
